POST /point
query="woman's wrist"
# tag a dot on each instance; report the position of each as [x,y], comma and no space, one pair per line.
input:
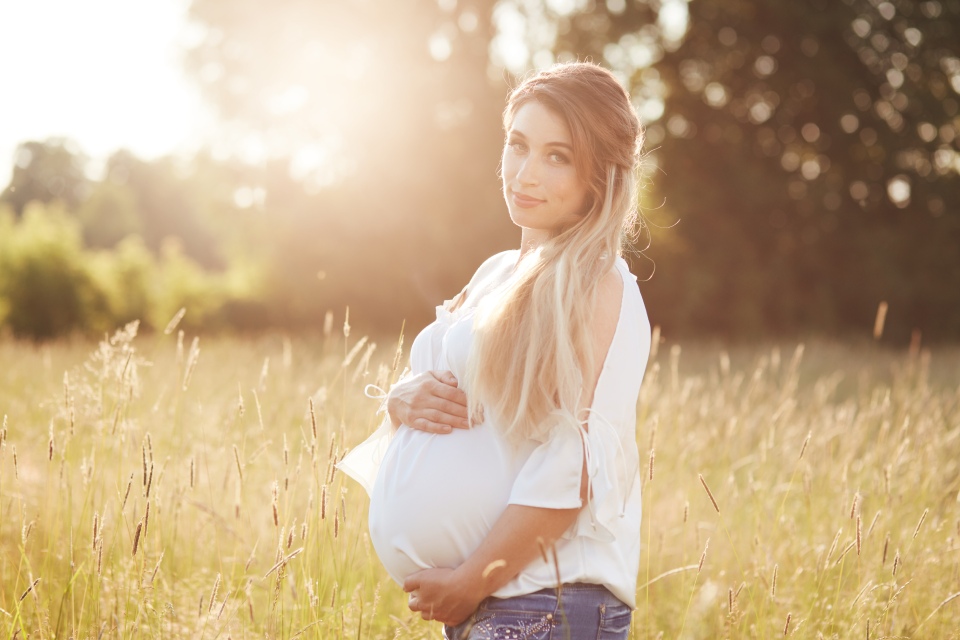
[391,412]
[470,585]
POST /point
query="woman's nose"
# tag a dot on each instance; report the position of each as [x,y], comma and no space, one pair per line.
[527,173]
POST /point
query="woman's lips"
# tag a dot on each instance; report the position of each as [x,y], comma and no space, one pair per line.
[524,201]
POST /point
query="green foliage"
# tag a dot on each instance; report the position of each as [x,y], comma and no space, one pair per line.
[47,171]
[775,131]
[47,286]
[109,215]
[51,285]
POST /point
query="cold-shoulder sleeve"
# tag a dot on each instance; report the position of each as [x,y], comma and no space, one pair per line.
[551,476]
[606,440]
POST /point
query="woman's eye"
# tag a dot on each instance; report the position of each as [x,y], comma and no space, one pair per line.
[559,158]
[518,147]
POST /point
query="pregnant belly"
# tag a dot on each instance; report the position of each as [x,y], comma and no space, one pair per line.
[437,496]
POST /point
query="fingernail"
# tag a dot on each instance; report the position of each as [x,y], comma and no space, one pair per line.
[445,429]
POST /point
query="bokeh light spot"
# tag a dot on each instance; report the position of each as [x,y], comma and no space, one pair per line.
[898,190]
[849,123]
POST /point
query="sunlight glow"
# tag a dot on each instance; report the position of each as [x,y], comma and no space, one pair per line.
[105,73]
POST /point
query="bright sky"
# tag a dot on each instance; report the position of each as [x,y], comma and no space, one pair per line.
[105,73]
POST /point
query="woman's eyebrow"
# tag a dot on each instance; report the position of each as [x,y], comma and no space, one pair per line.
[519,134]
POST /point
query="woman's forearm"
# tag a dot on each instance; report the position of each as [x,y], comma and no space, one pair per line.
[519,536]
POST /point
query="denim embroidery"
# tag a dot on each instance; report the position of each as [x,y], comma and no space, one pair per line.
[496,628]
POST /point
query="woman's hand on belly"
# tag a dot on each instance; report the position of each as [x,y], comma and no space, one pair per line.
[442,595]
[429,401]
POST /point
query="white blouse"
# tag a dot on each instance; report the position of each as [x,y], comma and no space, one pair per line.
[435,497]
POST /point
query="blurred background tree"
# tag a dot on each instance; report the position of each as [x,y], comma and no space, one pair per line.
[808,152]
[47,171]
[801,162]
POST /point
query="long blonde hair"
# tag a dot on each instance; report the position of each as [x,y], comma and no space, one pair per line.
[532,337]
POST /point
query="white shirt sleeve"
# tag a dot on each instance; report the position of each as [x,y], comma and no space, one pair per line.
[551,476]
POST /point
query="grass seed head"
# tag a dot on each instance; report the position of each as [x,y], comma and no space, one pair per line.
[709,493]
[920,524]
[146,493]
[859,536]
[264,372]
[146,520]
[136,537]
[806,441]
[32,586]
[156,568]
[879,320]
[493,566]
[174,321]
[127,492]
[236,458]
[96,525]
[213,594]
[873,523]
[256,402]
[399,354]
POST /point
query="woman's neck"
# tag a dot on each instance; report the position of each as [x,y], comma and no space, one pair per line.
[530,239]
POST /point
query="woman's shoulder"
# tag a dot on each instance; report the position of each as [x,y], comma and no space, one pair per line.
[492,268]
[495,263]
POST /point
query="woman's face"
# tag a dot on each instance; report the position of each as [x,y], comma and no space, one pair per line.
[544,194]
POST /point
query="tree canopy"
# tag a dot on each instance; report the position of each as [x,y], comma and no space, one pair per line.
[801,162]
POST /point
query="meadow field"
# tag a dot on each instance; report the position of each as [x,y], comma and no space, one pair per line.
[165,486]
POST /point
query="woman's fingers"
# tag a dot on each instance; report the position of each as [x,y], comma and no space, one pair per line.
[412,582]
[449,387]
[422,424]
[446,377]
[430,402]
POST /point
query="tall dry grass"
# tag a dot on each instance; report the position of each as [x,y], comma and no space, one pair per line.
[182,488]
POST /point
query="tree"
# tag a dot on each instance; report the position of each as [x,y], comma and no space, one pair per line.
[47,171]
[808,151]
[379,145]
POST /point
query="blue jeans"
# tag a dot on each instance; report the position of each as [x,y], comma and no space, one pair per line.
[582,612]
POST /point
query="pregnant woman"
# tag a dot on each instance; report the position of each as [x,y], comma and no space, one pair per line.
[504,487]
